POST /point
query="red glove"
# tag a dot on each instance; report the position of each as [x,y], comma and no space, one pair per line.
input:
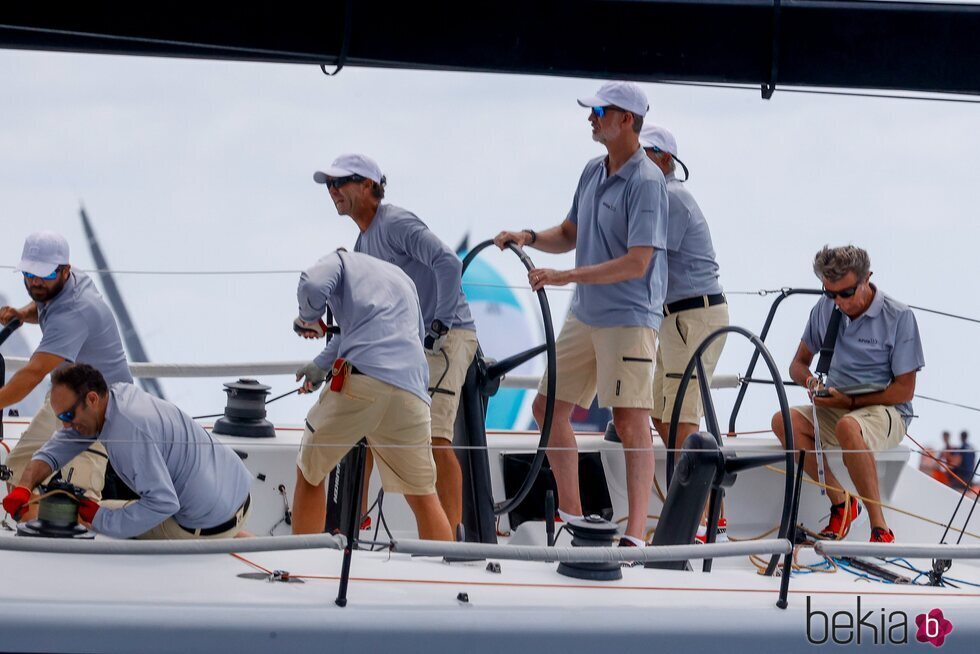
[87,509]
[16,501]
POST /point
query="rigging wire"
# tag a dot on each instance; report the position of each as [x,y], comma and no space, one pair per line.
[808,91]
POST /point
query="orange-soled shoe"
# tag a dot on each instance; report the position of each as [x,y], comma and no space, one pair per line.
[366,522]
[882,535]
[841,517]
[721,533]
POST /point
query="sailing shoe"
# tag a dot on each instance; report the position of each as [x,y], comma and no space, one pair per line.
[366,523]
[721,535]
[841,517]
[627,542]
[882,535]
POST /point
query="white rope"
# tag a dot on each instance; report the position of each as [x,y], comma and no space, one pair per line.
[182,547]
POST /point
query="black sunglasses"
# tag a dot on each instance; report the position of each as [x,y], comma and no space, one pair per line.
[337,182]
[844,293]
[69,415]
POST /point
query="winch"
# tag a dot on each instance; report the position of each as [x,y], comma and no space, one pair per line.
[57,512]
[245,411]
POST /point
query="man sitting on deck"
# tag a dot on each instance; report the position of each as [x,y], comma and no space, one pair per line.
[877,343]
[189,485]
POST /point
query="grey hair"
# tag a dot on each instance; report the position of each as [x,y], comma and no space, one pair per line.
[833,264]
[637,122]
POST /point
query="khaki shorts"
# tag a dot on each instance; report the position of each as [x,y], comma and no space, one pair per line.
[881,426]
[170,529]
[395,423]
[88,468]
[616,362]
[460,347]
[680,335]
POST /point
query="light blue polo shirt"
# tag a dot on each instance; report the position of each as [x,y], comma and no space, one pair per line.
[174,465]
[78,326]
[692,270]
[613,214]
[377,309]
[399,237]
[874,348]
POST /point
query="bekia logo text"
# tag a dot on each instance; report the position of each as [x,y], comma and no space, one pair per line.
[877,627]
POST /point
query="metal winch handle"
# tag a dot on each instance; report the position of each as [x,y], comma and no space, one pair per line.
[509,504]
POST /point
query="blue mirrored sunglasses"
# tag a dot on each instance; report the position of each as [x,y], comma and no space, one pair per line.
[601,111]
[69,415]
[46,278]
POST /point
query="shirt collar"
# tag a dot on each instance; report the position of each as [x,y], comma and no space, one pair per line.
[111,409]
[626,168]
[876,303]
[66,291]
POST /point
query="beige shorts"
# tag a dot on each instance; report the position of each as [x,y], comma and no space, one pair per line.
[170,529]
[395,423]
[680,335]
[88,468]
[881,426]
[460,347]
[616,362]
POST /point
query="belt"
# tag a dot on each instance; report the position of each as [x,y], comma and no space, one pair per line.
[224,526]
[354,370]
[699,302]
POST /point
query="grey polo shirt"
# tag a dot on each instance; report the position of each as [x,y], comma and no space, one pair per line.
[877,346]
[170,461]
[377,309]
[399,237]
[613,214]
[78,326]
[692,270]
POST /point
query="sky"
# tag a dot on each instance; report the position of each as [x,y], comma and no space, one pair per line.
[207,166]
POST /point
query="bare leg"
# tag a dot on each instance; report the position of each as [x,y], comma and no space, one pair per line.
[430,517]
[449,480]
[861,468]
[803,440]
[563,461]
[309,506]
[633,427]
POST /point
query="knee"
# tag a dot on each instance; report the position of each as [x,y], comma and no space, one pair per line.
[778,428]
[538,407]
[849,435]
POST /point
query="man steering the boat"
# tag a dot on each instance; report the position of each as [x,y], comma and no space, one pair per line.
[392,234]
[865,404]
[378,379]
[617,226]
[76,326]
[695,305]
[189,485]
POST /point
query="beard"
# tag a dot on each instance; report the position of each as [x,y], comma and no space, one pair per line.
[44,293]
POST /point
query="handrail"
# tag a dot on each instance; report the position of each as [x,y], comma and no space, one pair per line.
[905,550]
[182,547]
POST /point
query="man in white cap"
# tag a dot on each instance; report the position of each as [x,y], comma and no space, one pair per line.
[397,236]
[76,326]
[618,228]
[695,304]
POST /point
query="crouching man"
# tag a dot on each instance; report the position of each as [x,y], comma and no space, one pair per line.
[189,485]
[877,344]
[378,380]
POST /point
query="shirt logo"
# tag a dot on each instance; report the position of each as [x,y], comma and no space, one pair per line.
[868,341]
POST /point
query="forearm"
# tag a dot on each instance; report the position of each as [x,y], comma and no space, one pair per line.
[799,372]
[28,313]
[20,385]
[554,240]
[35,472]
[613,271]
[894,393]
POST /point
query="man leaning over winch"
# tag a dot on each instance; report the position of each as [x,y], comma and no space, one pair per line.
[76,326]
[189,485]
[877,346]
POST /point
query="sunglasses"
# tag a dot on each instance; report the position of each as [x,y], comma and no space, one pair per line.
[601,111]
[337,182]
[844,293]
[69,415]
[48,278]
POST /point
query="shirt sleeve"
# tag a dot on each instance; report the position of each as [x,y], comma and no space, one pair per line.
[62,447]
[646,212]
[417,241]
[815,329]
[140,460]
[907,355]
[679,218]
[64,334]
[326,358]
[316,285]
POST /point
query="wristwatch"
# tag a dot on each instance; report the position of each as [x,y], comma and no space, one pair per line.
[439,327]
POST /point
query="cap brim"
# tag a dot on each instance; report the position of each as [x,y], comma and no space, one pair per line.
[39,268]
[594,101]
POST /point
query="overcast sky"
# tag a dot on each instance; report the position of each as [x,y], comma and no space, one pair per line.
[190,165]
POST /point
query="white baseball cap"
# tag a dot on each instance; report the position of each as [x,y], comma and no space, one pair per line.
[655,136]
[350,164]
[43,252]
[625,95]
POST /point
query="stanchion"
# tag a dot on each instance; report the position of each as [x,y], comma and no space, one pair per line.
[352,518]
